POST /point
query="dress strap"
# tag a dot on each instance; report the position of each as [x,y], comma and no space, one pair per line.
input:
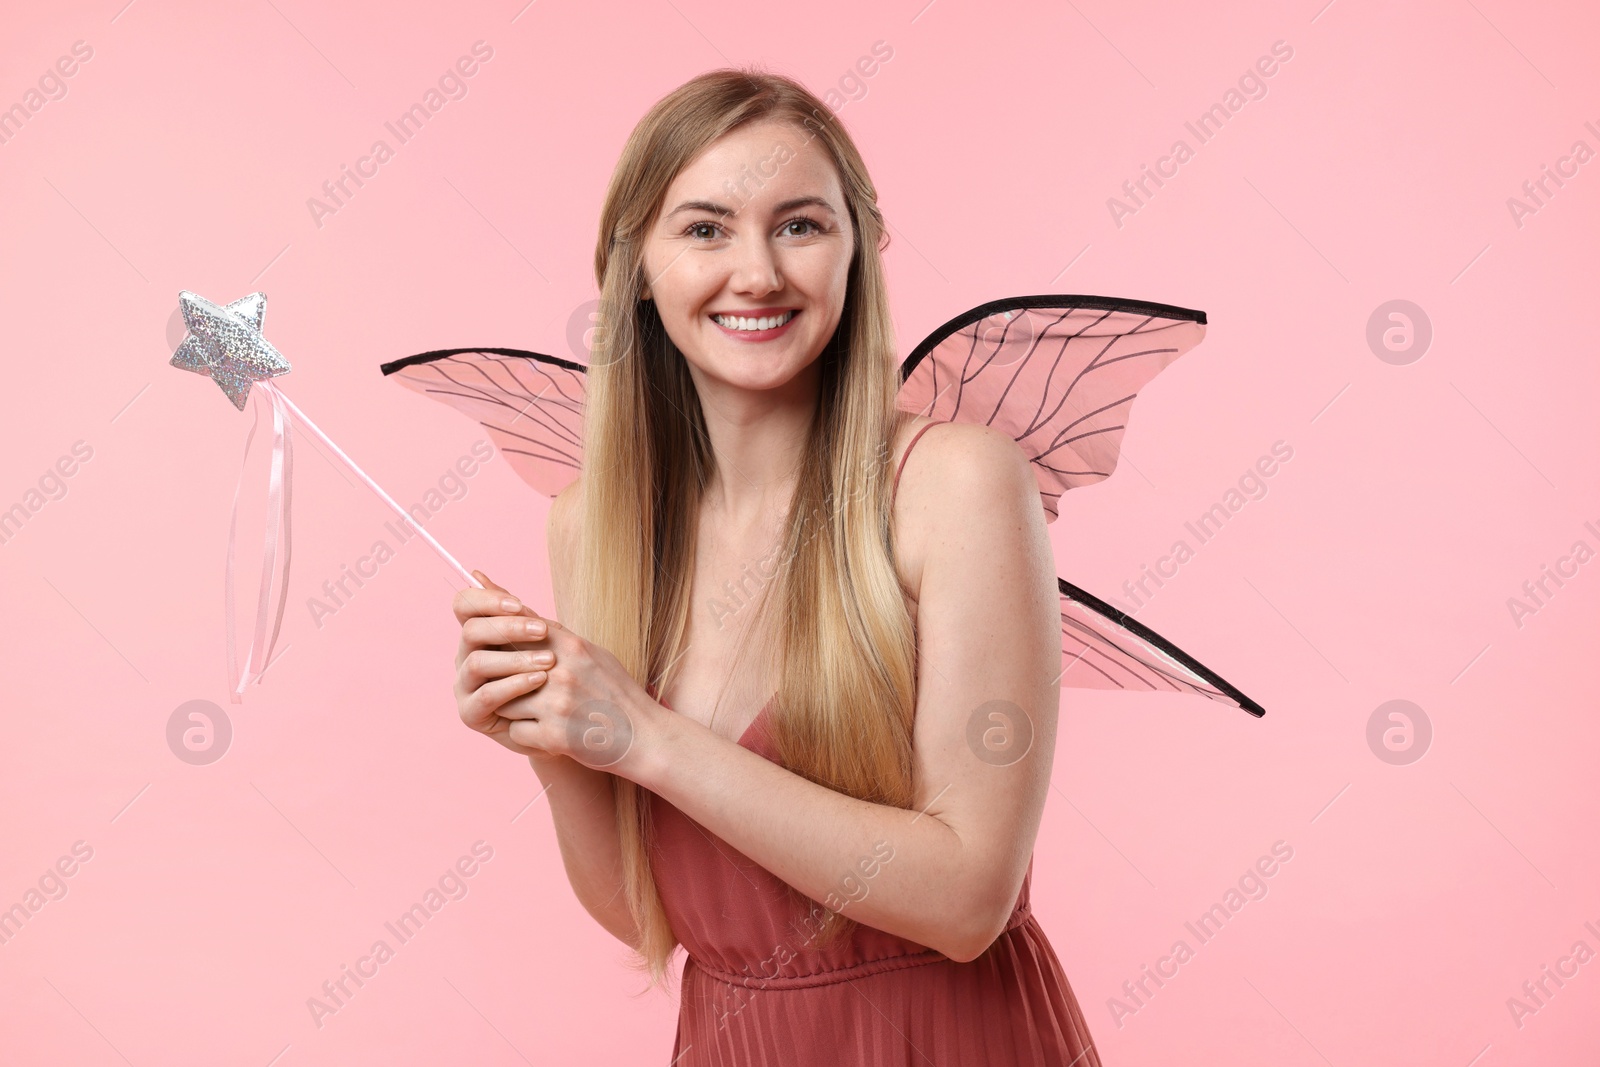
[907,453]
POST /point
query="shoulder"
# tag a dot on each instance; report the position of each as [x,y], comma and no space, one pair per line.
[564,511]
[959,475]
[956,465]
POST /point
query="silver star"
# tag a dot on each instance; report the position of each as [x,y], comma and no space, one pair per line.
[226,344]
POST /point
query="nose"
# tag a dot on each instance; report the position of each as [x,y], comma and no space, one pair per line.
[755,270]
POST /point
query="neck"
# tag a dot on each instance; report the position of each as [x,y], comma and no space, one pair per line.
[757,438]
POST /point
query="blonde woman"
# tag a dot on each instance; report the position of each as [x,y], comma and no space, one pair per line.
[776,628]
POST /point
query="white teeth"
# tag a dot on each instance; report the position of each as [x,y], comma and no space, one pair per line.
[739,322]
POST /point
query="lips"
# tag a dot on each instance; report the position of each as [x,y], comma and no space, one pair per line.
[759,335]
[754,315]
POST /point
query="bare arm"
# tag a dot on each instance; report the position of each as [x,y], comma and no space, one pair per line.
[989,659]
[585,816]
[582,805]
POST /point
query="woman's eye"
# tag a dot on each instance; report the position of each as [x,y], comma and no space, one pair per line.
[697,229]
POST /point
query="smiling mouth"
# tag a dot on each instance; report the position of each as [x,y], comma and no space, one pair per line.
[748,324]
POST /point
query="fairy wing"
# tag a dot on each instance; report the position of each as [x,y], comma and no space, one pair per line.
[531,404]
[1103,647]
[1059,374]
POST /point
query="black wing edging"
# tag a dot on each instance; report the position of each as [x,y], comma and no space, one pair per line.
[446,353]
[1019,303]
[1140,630]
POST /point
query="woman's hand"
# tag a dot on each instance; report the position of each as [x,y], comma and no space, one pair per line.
[578,701]
[502,658]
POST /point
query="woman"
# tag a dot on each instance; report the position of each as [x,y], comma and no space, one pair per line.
[848,866]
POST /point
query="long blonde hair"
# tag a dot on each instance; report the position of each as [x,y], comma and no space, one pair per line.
[847,653]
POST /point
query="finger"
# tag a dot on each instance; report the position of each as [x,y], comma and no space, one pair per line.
[528,733]
[469,603]
[491,586]
[501,633]
[521,706]
[483,707]
[489,583]
[506,609]
[490,630]
[489,665]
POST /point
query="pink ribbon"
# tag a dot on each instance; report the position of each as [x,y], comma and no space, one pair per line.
[281,475]
[278,494]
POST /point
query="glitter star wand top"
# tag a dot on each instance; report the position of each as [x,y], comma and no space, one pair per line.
[225,344]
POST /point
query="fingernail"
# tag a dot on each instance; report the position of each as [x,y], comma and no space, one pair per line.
[535,627]
[510,605]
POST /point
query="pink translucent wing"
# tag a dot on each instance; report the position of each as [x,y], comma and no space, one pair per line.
[531,404]
[1060,374]
[1104,648]
[1057,373]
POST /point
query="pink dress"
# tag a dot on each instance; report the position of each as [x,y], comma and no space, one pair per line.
[757,993]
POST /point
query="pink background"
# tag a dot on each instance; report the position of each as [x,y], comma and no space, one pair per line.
[1419,498]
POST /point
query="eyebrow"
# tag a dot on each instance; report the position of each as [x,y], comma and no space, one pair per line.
[728,212]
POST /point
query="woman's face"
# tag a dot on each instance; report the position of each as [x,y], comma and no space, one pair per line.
[755,227]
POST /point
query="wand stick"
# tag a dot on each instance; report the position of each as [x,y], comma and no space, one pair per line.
[374,486]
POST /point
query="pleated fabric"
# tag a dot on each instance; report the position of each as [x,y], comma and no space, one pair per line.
[755,992]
